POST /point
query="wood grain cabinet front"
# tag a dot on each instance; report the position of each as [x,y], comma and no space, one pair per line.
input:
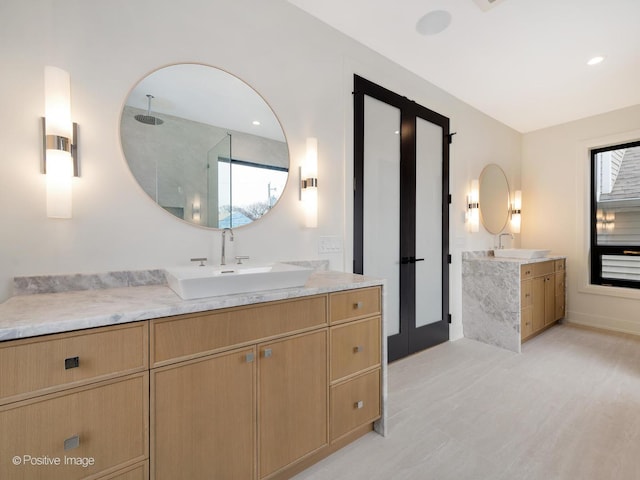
[355,403]
[542,294]
[45,364]
[355,359]
[293,400]
[355,346]
[203,418]
[76,433]
[353,304]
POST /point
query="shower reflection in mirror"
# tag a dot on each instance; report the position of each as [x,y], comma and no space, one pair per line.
[204,146]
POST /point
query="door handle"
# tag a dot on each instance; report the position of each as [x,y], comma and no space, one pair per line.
[406,260]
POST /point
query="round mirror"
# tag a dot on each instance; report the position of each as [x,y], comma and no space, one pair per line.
[493,199]
[204,146]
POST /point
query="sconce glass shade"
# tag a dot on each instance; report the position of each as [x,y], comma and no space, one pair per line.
[309,181]
[516,212]
[473,207]
[58,138]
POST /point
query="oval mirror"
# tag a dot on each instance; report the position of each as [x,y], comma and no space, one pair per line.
[493,199]
[204,145]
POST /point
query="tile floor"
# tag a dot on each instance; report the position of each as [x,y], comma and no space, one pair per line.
[567,408]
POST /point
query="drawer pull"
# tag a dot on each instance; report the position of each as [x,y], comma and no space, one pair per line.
[72,442]
[267,352]
[72,362]
[527,295]
[357,305]
[358,349]
[358,405]
[249,357]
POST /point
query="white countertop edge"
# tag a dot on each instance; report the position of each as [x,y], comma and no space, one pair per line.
[34,315]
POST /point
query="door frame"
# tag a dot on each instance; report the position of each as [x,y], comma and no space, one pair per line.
[411,339]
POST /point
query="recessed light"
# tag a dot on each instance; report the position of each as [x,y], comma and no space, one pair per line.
[256,122]
[595,60]
[433,22]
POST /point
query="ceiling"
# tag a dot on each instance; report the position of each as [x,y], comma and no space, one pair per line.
[207,95]
[522,62]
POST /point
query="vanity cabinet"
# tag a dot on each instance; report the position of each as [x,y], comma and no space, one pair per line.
[75,405]
[542,296]
[259,392]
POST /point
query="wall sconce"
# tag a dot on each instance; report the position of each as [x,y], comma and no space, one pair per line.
[473,208]
[195,210]
[60,152]
[516,212]
[605,221]
[309,183]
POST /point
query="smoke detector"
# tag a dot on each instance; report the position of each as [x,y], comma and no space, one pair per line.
[487,4]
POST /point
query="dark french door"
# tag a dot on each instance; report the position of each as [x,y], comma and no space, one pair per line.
[401,213]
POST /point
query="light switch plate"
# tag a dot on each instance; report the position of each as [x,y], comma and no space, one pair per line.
[330,244]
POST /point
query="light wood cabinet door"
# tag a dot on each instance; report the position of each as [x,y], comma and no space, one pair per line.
[526,322]
[537,291]
[549,299]
[292,402]
[203,418]
[560,294]
[88,430]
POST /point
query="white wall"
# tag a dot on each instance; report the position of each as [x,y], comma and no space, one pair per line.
[303,68]
[555,183]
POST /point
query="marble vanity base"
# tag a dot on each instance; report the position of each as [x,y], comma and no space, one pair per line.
[491,300]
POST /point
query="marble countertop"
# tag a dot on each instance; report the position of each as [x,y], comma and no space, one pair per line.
[40,314]
[487,256]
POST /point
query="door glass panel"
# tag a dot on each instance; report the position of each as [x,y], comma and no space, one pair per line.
[428,222]
[381,222]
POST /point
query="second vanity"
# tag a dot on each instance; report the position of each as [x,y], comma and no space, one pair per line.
[243,386]
[506,301]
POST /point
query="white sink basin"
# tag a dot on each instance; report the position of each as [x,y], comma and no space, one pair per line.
[198,282]
[520,253]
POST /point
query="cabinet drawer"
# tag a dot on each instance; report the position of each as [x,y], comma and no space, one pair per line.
[354,347]
[526,271]
[543,268]
[353,304]
[137,472]
[560,265]
[355,403]
[188,336]
[106,424]
[526,294]
[44,364]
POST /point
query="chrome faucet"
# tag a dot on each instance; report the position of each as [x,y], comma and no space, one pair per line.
[500,246]
[223,260]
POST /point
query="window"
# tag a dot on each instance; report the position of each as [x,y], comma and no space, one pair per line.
[615,215]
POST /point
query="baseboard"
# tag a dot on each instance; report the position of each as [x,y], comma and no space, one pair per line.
[604,323]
